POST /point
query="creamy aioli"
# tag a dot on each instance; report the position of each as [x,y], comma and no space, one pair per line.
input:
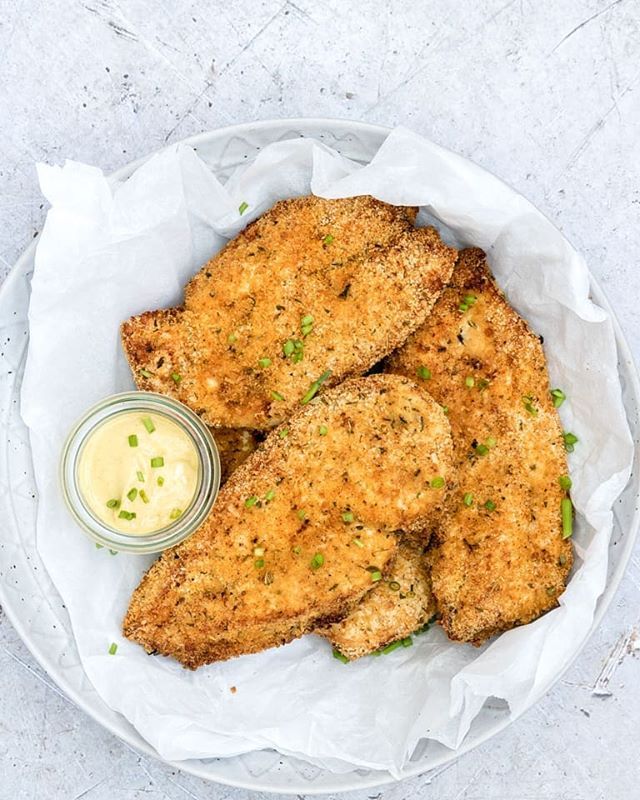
[138,472]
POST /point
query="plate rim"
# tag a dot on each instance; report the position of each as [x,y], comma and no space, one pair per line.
[377,778]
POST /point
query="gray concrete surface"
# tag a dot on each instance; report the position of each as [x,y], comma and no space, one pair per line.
[543,93]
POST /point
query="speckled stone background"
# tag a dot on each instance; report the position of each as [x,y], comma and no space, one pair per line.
[544,93]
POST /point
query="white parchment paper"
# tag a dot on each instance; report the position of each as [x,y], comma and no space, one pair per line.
[107,252]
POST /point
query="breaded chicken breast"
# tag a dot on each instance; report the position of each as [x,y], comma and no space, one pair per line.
[397,607]
[300,532]
[311,293]
[501,560]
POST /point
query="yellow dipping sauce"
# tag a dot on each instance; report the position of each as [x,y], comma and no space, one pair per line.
[138,472]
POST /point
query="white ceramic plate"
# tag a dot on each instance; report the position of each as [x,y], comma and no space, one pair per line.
[32,603]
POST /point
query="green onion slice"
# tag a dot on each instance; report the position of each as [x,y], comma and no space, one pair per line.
[175,513]
[348,516]
[284,432]
[566,510]
[250,501]
[160,481]
[113,648]
[490,505]
[358,542]
[132,494]
[278,396]
[469,382]
[317,561]
[140,476]
[113,503]
[148,424]
[288,347]
[144,496]
[176,377]
[468,499]
[565,482]
[242,207]
[376,576]
[258,563]
[558,397]
[323,430]
[313,389]
[337,654]
[570,439]
[157,461]
[270,495]
[437,483]
[328,239]
[264,362]
[424,373]
[145,373]
[133,440]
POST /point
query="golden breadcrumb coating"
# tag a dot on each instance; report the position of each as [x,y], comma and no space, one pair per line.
[501,559]
[314,289]
[301,532]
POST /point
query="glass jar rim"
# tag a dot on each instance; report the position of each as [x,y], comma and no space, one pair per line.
[209,472]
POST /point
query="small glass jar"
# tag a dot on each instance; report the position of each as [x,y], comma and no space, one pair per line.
[207,485]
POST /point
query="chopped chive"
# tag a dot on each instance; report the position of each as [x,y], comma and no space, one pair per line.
[491,442]
[284,432]
[302,514]
[242,207]
[99,546]
[231,338]
[258,551]
[157,461]
[323,430]
[490,505]
[407,641]
[482,449]
[482,384]
[463,307]
[565,482]
[113,503]
[297,549]
[424,373]
[132,494]
[337,654]
[391,647]
[250,501]
[288,347]
[468,499]
[270,495]
[277,396]
[437,483]
[394,586]
[264,362]
[144,496]
[148,424]
[306,329]
[527,402]
[306,320]
[558,397]
[313,389]
[445,409]
[328,239]
[376,576]
[570,439]
[317,561]
[160,481]
[145,373]
[113,647]
[140,476]
[176,377]
[347,516]
[129,515]
[566,509]
[175,513]
[258,563]
[133,440]
[358,542]
[470,299]
[469,382]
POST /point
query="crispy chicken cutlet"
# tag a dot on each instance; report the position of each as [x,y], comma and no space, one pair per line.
[300,532]
[397,607]
[311,293]
[501,559]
